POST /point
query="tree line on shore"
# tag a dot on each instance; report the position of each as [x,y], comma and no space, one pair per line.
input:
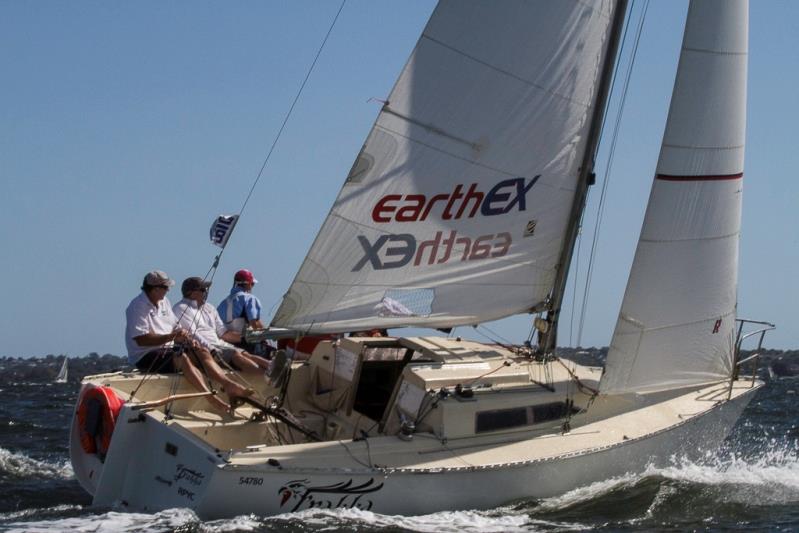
[45,368]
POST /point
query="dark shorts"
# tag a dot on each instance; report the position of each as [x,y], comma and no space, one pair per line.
[159,361]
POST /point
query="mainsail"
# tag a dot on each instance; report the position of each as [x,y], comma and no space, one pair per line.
[455,211]
[677,321]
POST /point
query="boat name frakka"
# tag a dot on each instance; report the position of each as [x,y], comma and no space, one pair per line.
[336,496]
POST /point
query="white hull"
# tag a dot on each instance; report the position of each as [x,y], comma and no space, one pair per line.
[153,466]
[423,492]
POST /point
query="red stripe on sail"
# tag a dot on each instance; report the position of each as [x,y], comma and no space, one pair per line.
[666,177]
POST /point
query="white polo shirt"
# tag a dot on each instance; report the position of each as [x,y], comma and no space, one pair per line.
[204,323]
[143,317]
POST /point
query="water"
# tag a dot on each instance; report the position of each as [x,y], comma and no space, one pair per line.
[750,484]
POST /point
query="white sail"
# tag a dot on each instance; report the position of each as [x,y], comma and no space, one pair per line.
[677,321]
[61,377]
[456,208]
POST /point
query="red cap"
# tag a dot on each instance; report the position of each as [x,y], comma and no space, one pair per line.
[244,276]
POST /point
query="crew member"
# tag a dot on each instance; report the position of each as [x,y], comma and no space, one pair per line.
[206,327]
[242,309]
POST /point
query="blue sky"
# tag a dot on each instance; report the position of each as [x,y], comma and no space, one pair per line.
[125,128]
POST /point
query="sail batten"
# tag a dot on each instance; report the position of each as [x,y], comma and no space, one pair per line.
[456,209]
[676,326]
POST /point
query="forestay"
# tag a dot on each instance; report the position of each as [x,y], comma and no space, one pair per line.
[677,322]
[455,210]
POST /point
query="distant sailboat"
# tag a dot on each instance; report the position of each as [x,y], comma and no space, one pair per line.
[62,372]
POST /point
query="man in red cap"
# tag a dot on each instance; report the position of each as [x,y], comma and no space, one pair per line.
[241,309]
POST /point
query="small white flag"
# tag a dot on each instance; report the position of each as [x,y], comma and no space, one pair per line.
[222,228]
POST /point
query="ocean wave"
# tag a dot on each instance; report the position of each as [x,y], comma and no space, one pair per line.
[111,522]
[769,477]
[20,425]
[39,512]
[238,523]
[496,520]
[586,493]
[20,465]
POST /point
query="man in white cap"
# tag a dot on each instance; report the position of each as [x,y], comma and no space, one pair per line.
[150,335]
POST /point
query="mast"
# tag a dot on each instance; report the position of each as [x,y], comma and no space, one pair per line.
[547,340]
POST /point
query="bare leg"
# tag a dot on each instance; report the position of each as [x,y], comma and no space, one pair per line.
[193,376]
[258,360]
[244,363]
[217,374]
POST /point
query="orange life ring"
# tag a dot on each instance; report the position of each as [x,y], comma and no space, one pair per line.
[97,414]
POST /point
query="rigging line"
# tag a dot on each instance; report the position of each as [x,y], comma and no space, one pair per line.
[213,269]
[354,458]
[505,342]
[283,125]
[481,376]
[608,167]
[579,242]
[507,345]
[576,379]
[613,78]
[593,156]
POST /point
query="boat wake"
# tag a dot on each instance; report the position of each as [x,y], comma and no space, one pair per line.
[19,465]
[496,520]
[732,485]
[773,475]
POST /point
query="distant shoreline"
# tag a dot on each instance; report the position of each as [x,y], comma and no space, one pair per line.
[45,368]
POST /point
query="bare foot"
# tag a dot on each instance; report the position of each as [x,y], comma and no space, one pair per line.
[218,404]
[235,390]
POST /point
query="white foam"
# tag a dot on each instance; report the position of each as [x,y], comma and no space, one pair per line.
[770,477]
[36,511]
[239,523]
[443,522]
[112,522]
[19,464]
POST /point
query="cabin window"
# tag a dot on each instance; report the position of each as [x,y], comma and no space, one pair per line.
[521,416]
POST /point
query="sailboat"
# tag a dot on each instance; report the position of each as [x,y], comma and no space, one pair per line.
[61,377]
[462,207]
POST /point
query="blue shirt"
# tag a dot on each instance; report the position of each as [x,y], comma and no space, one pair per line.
[245,305]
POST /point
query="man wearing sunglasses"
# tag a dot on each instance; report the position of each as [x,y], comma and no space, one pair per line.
[203,322]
